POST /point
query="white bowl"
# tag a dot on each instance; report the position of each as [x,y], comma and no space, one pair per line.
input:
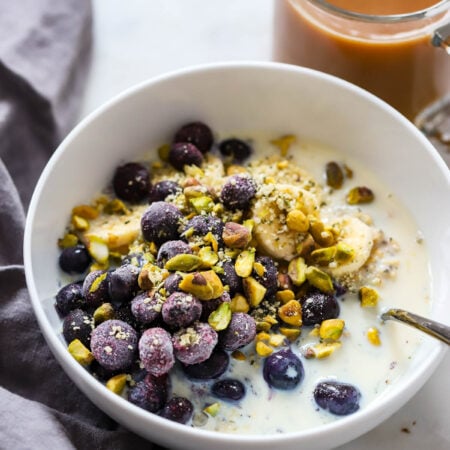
[228,97]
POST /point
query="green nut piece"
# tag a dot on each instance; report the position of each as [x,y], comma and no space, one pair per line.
[221,317]
[68,240]
[254,291]
[319,279]
[331,329]
[163,152]
[323,236]
[344,253]
[323,256]
[297,271]
[236,235]
[80,352]
[213,409]
[117,383]
[360,194]
[103,312]
[149,276]
[184,262]
[291,313]
[204,285]
[368,297]
[322,350]
[208,257]
[202,204]
[244,263]
[334,175]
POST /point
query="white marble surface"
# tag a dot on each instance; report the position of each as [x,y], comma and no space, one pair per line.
[138,39]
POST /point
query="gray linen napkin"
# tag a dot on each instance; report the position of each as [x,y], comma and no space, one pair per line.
[44,54]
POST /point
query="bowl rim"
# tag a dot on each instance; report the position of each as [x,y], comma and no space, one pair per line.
[85,381]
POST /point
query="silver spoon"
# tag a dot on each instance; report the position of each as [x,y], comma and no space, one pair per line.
[435,329]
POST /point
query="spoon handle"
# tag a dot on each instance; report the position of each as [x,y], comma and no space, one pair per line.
[435,329]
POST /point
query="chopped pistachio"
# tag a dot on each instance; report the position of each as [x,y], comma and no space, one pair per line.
[291,333]
[285,295]
[297,221]
[116,206]
[193,170]
[210,239]
[68,240]
[202,204]
[262,336]
[297,271]
[98,249]
[204,285]
[208,256]
[314,332]
[259,269]
[163,152]
[284,143]
[235,169]
[104,312]
[244,263]
[238,355]
[373,335]
[183,262]
[85,211]
[276,340]
[359,194]
[80,223]
[319,279]
[291,313]
[262,349]
[81,353]
[97,282]
[254,291]
[117,383]
[323,256]
[344,253]
[221,317]
[331,329]
[212,409]
[322,235]
[236,235]
[239,304]
[368,297]
[270,319]
[324,349]
[334,175]
[149,276]
[263,326]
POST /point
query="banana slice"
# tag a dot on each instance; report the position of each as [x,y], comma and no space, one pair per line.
[273,203]
[357,235]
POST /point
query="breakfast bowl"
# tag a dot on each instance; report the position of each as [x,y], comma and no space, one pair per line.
[276,106]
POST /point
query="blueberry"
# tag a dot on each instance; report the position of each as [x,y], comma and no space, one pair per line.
[178,409]
[269,279]
[172,282]
[230,278]
[196,133]
[131,182]
[194,344]
[182,154]
[156,351]
[317,307]
[96,288]
[181,309]
[123,312]
[160,222]
[283,370]
[236,149]
[136,259]
[159,191]
[100,372]
[228,389]
[78,325]
[74,259]
[338,398]
[201,225]
[238,192]
[69,297]
[114,344]
[146,307]
[240,332]
[151,393]
[123,283]
[213,367]
[170,249]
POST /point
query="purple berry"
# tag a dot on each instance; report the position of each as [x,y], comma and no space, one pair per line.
[123,312]
[230,278]
[69,297]
[162,189]
[114,344]
[270,277]
[178,409]
[338,398]
[283,370]
[170,249]
[194,344]
[131,182]
[196,133]
[240,332]
[181,310]
[156,351]
[74,259]
[96,288]
[160,222]
[146,306]
[172,283]
[228,389]
[235,149]
[238,192]
[183,153]
[123,283]
[213,367]
[201,225]
[78,325]
[151,393]
[135,259]
[317,307]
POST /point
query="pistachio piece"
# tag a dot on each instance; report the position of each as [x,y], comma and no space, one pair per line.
[284,143]
[204,285]
[163,152]
[116,206]
[150,275]
[331,329]
[98,249]
[239,304]
[80,352]
[373,335]
[236,235]
[212,409]
[262,349]
[297,221]
[208,257]
[262,336]
[305,247]
[68,240]
[210,239]
[276,340]
[285,296]
[334,175]
[202,204]
[323,256]
[238,355]
[297,271]
[85,211]
[368,297]
[322,350]
[322,235]
[254,291]
[80,223]
[235,169]
[221,317]
[244,263]
[360,194]
[291,333]
[183,262]
[344,253]
[291,313]
[117,383]
[319,279]
[104,312]
[259,269]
